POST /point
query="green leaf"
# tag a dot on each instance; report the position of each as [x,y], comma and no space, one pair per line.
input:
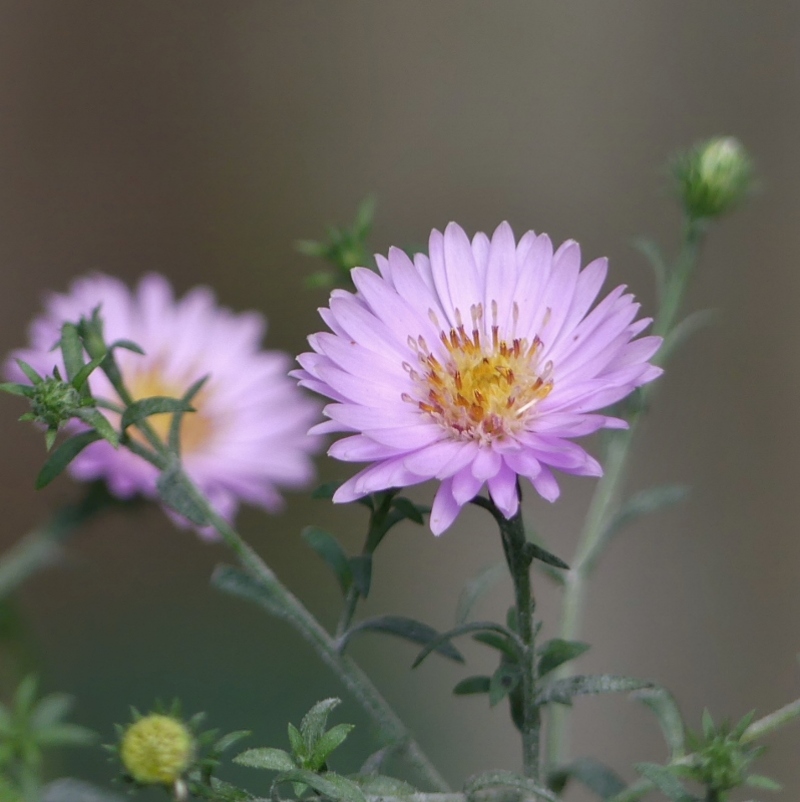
[483,581]
[238,583]
[498,642]
[174,436]
[266,758]
[381,785]
[663,704]
[330,740]
[408,509]
[596,776]
[556,652]
[684,331]
[503,682]
[155,405]
[50,709]
[408,628]
[32,375]
[331,785]
[326,491]
[766,783]
[66,735]
[532,551]
[562,691]
[462,629]
[63,455]
[472,685]
[665,781]
[229,740]
[71,350]
[176,492]
[361,569]
[82,376]
[708,725]
[643,503]
[17,389]
[126,345]
[297,743]
[328,547]
[314,722]
[99,423]
[507,779]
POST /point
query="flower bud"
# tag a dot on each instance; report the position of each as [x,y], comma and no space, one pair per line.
[713,177]
[157,749]
[54,402]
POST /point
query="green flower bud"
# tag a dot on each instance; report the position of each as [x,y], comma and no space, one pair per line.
[157,749]
[713,177]
[54,402]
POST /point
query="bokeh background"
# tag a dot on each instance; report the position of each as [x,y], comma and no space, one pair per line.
[202,139]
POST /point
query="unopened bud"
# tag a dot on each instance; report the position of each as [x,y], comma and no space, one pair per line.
[157,750]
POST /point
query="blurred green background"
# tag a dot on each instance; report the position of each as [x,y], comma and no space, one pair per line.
[201,139]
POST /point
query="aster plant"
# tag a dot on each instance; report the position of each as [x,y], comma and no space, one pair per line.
[477,364]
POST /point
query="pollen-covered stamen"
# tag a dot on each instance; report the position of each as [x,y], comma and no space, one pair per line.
[480,392]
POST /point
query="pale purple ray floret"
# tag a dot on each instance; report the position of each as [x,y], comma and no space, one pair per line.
[248,437]
[475,365]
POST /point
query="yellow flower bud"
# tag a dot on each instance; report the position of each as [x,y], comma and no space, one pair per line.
[156,749]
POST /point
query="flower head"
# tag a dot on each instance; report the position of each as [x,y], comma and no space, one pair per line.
[475,365]
[248,434]
[156,749]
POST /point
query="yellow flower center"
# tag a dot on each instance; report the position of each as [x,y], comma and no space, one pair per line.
[481,391]
[196,428]
[156,749]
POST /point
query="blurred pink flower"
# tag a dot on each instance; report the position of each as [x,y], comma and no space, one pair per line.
[248,436]
[474,365]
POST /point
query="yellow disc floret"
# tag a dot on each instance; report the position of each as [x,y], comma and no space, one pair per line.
[156,749]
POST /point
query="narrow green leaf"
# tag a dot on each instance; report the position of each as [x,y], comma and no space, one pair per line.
[63,455]
[66,735]
[503,682]
[765,783]
[126,345]
[314,722]
[328,547]
[17,389]
[665,781]
[381,785]
[498,642]
[462,629]
[297,743]
[175,491]
[71,350]
[32,375]
[684,331]
[229,740]
[238,583]
[330,740]
[49,436]
[663,704]
[596,776]
[330,785]
[482,582]
[51,709]
[99,423]
[532,551]
[266,758]
[408,509]
[556,652]
[407,628]
[507,779]
[472,685]
[155,405]
[708,725]
[346,789]
[562,691]
[82,376]
[361,569]
[655,258]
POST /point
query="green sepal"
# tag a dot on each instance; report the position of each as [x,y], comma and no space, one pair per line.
[175,491]
[126,345]
[666,782]
[407,628]
[472,685]
[266,758]
[63,455]
[562,691]
[79,382]
[476,588]
[596,776]
[329,548]
[556,652]
[462,629]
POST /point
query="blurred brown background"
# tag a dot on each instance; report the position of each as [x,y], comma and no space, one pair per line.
[201,139]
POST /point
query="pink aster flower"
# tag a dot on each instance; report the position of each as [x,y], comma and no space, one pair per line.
[475,365]
[248,435]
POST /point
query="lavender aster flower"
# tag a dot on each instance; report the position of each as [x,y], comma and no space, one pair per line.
[248,435]
[475,365]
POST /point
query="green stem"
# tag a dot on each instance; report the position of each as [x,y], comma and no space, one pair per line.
[605,501]
[513,534]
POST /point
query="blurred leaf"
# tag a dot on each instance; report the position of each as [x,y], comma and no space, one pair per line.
[71,350]
[126,345]
[51,709]
[765,783]
[155,405]
[229,740]
[596,776]
[556,652]
[297,743]
[684,331]
[30,373]
[266,758]
[81,377]
[503,682]
[63,455]
[477,587]
[25,696]
[361,569]
[663,704]
[381,785]
[174,436]
[408,628]
[331,785]
[462,629]
[562,691]
[17,389]
[532,551]
[326,491]
[650,250]
[472,685]
[665,781]
[176,492]
[238,583]
[66,735]
[328,547]
[409,510]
